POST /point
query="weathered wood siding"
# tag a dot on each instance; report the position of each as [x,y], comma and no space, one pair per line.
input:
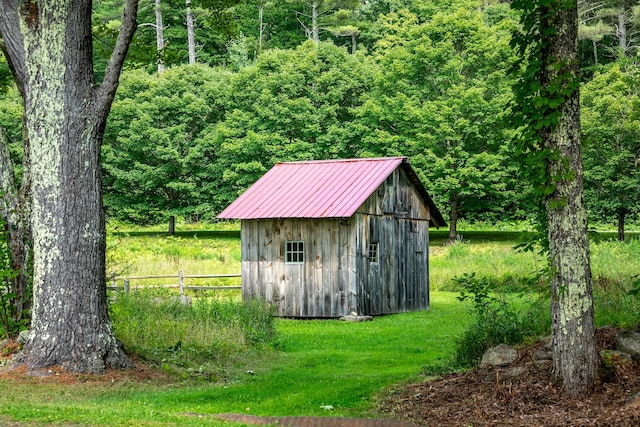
[322,286]
[396,218]
[337,277]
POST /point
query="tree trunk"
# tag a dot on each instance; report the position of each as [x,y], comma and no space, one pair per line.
[621,30]
[575,356]
[191,39]
[159,37]
[261,28]
[453,218]
[315,25]
[621,218]
[354,43]
[51,55]
[172,225]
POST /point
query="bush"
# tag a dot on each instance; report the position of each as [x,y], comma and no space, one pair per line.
[11,320]
[190,338]
[496,319]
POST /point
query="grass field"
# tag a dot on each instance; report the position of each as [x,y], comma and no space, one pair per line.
[317,363]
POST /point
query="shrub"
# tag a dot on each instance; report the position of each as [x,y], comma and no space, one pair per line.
[496,319]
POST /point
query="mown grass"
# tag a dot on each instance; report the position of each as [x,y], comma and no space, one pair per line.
[317,363]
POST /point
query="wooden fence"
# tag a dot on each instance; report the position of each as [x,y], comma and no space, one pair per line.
[126,282]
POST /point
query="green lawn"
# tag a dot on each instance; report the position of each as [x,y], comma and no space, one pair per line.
[318,363]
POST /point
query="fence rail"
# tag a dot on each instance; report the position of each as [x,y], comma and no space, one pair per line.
[126,282]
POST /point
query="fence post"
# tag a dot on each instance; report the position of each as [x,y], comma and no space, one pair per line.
[183,298]
[126,286]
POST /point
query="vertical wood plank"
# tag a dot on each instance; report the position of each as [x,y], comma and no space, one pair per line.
[329,252]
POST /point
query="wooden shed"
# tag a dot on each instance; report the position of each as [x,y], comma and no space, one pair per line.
[337,237]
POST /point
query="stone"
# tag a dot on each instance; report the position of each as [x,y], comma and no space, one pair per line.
[629,342]
[23,336]
[615,356]
[633,401]
[542,355]
[4,343]
[500,355]
[356,318]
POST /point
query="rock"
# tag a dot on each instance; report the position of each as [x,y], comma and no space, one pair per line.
[4,343]
[356,318]
[23,337]
[633,401]
[615,356]
[629,342]
[500,355]
[542,355]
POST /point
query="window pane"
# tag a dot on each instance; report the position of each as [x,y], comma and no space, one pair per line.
[294,252]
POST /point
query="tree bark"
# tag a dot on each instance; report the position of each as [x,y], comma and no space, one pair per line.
[453,218]
[159,36]
[50,50]
[621,30]
[191,38]
[621,218]
[575,356]
[315,25]
[261,28]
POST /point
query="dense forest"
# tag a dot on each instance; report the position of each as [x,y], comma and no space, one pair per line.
[215,92]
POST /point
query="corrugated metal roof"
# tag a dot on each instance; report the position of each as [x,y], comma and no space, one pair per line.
[315,189]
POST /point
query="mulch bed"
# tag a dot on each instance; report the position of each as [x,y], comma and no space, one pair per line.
[479,398]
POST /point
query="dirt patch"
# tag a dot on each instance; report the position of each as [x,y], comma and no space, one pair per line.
[314,421]
[480,398]
[142,373]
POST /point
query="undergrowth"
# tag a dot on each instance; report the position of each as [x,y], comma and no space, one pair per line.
[497,318]
[192,340]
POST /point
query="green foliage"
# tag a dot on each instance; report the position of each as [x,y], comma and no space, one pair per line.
[156,158]
[200,336]
[545,82]
[611,143]
[441,99]
[11,323]
[496,320]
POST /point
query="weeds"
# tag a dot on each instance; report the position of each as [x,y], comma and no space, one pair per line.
[190,339]
[496,319]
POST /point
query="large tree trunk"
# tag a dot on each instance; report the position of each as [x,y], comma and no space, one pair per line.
[575,356]
[49,47]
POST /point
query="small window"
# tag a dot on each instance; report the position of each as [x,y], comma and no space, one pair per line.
[294,253]
[373,252]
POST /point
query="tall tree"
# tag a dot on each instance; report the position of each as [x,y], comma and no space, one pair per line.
[49,47]
[611,141]
[440,99]
[549,107]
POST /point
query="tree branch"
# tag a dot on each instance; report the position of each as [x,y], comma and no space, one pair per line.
[11,43]
[107,89]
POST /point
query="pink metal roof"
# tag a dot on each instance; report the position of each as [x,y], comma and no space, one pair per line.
[314,189]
